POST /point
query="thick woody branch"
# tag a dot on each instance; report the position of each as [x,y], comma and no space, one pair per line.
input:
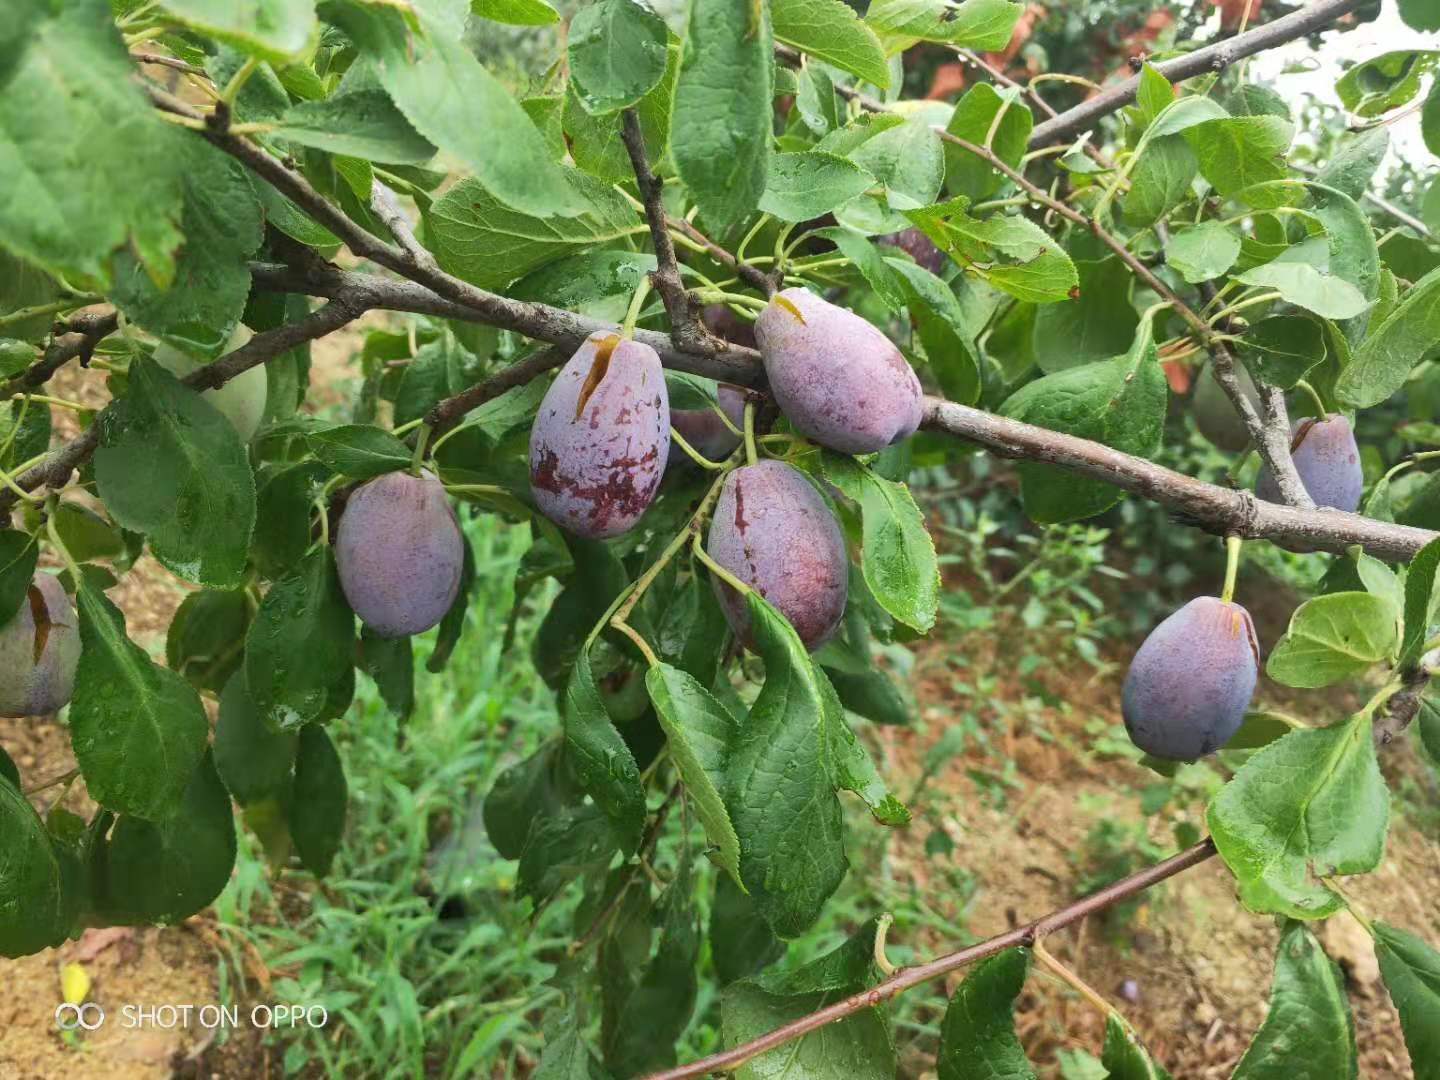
[905,978]
[1212,58]
[685,328]
[449,412]
[1215,509]
[82,333]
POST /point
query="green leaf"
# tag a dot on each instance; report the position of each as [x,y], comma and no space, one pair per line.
[1261,729]
[974,116]
[1124,1055]
[71,97]
[975,24]
[1411,970]
[1282,349]
[360,451]
[169,465]
[561,847]
[1304,285]
[282,516]
[165,871]
[740,941]
[829,30]
[1011,252]
[223,227]
[453,624]
[36,910]
[253,762]
[451,100]
[1154,93]
[699,731]
[358,120]
[872,266]
[1164,170]
[898,558]
[858,1047]
[1385,82]
[907,160]
[977,1039]
[1096,325]
[1120,403]
[482,240]
[1386,357]
[206,639]
[1356,157]
[300,645]
[720,131]
[138,730]
[1334,637]
[594,141]
[318,800]
[807,185]
[516,13]
[19,554]
[782,787]
[1202,252]
[537,788]
[1308,1028]
[391,663]
[1420,14]
[617,52]
[945,331]
[653,1015]
[1419,600]
[1237,151]
[1310,804]
[278,30]
[603,765]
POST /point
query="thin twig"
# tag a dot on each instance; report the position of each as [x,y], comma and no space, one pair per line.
[686,330]
[80,336]
[905,978]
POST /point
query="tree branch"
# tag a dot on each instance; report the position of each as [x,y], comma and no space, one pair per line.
[685,329]
[449,412]
[82,333]
[55,470]
[1271,433]
[905,978]
[1216,57]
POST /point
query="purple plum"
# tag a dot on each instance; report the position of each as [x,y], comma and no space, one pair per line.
[1191,681]
[1327,460]
[841,382]
[601,439]
[400,553]
[918,246]
[722,322]
[773,531]
[39,650]
[705,431]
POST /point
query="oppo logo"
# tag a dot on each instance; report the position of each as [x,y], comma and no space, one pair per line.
[88,1016]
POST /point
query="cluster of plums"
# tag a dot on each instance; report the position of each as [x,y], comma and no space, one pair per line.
[1324,450]
[601,442]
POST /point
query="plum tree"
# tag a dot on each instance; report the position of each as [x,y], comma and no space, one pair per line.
[773,531]
[706,431]
[1191,680]
[838,380]
[1215,416]
[399,553]
[600,442]
[1328,461]
[241,400]
[39,651]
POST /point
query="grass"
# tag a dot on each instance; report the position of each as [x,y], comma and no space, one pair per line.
[426,962]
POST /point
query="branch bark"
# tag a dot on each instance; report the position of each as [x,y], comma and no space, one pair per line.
[905,978]
[1216,57]
[82,333]
[685,329]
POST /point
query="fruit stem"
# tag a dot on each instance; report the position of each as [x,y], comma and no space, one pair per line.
[239,79]
[1232,565]
[1320,410]
[752,455]
[324,513]
[882,928]
[1066,975]
[59,403]
[718,296]
[695,455]
[422,441]
[627,329]
[58,544]
[639,640]
[718,570]
[760,223]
